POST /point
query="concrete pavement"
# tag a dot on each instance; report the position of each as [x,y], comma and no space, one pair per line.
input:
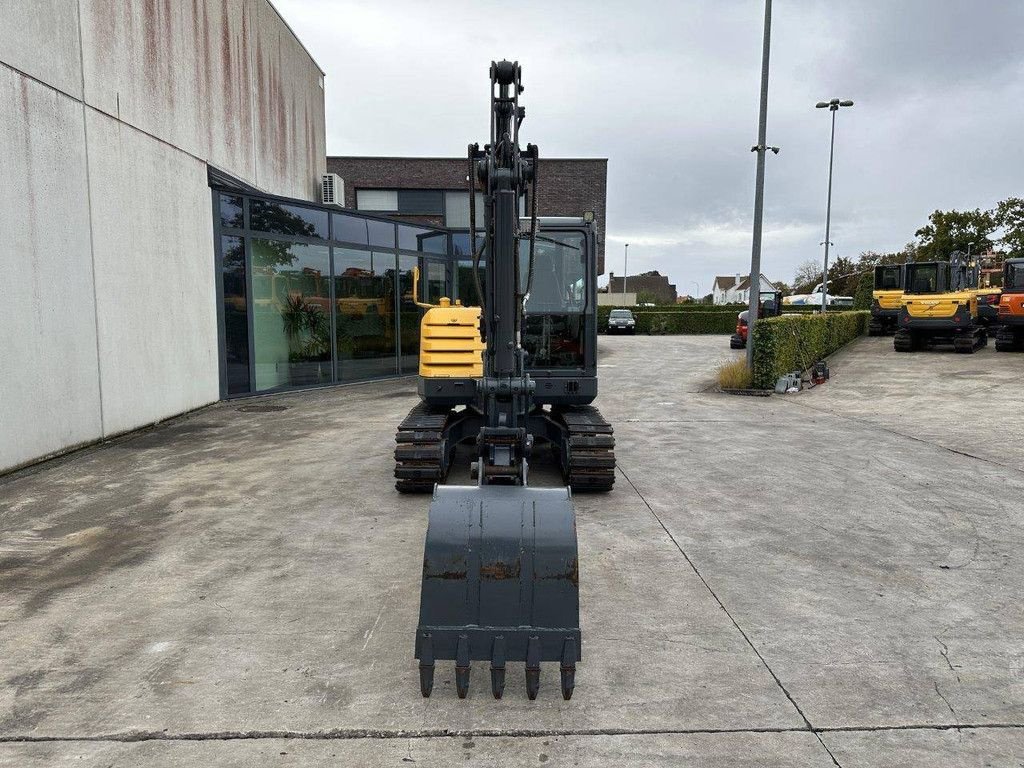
[239,584]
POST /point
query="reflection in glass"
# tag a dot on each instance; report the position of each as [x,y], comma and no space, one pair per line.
[350,229]
[236,323]
[231,211]
[409,315]
[291,314]
[366,327]
[434,282]
[382,233]
[296,220]
[1014,277]
[422,239]
[461,243]
[465,286]
[554,323]
[559,283]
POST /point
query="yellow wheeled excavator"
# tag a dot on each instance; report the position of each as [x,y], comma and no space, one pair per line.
[500,568]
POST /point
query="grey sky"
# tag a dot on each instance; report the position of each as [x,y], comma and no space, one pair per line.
[668,92]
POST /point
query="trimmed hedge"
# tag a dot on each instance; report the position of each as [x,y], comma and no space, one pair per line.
[795,342]
[729,309]
[681,322]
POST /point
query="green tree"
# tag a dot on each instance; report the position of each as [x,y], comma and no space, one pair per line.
[1009,217]
[843,275]
[949,231]
[865,287]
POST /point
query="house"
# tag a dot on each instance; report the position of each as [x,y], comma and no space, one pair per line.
[735,289]
[652,283]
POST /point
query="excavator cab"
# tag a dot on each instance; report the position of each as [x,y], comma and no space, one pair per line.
[519,370]
[890,280]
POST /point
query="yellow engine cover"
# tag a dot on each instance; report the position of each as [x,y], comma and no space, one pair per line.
[450,344]
[888,299]
[940,305]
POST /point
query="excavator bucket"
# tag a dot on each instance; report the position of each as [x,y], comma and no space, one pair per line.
[500,584]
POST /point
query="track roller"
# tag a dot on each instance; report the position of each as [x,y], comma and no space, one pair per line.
[904,341]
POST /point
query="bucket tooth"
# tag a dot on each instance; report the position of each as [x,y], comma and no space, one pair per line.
[533,667]
[568,667]
[498,667]
[462,666]
[426,665]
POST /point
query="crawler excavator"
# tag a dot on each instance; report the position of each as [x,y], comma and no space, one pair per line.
[500,568]
[940,306]
[1010,336]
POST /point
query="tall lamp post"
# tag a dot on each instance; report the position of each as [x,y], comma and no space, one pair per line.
[625,272]
[833,106]
[761,148]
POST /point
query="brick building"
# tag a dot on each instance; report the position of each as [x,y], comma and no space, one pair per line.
[432,190]
[653,283]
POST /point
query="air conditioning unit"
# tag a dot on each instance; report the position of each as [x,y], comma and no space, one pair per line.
[332,189]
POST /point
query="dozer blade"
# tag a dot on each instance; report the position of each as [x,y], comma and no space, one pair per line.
[500,583]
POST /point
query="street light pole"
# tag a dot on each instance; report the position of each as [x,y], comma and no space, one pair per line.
[833,107]
[625,273]
[761,148]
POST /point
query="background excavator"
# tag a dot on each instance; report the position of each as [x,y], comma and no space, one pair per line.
[886,298]
[500,568]
[940,306]
[1010,336]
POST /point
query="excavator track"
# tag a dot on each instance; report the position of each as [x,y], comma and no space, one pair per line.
[421,449]
[591,449]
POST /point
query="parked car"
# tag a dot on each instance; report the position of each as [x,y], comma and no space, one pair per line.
[621,321]
[769,305]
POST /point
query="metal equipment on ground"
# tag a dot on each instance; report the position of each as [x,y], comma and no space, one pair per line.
[886,298]
[940,306]
[1010,336]
[500,568]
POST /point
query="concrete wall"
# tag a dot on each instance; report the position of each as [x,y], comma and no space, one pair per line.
[113,109]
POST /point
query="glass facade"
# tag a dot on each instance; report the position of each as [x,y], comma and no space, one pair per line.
[235,309]
[312,295]
[291,301]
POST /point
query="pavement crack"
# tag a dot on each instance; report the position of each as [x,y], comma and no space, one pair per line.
[721,605]
[343,734]
[944,653]
[896,432]
[829,751]
[953,711]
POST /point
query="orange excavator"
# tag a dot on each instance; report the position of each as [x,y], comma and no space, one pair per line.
[1010,336]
